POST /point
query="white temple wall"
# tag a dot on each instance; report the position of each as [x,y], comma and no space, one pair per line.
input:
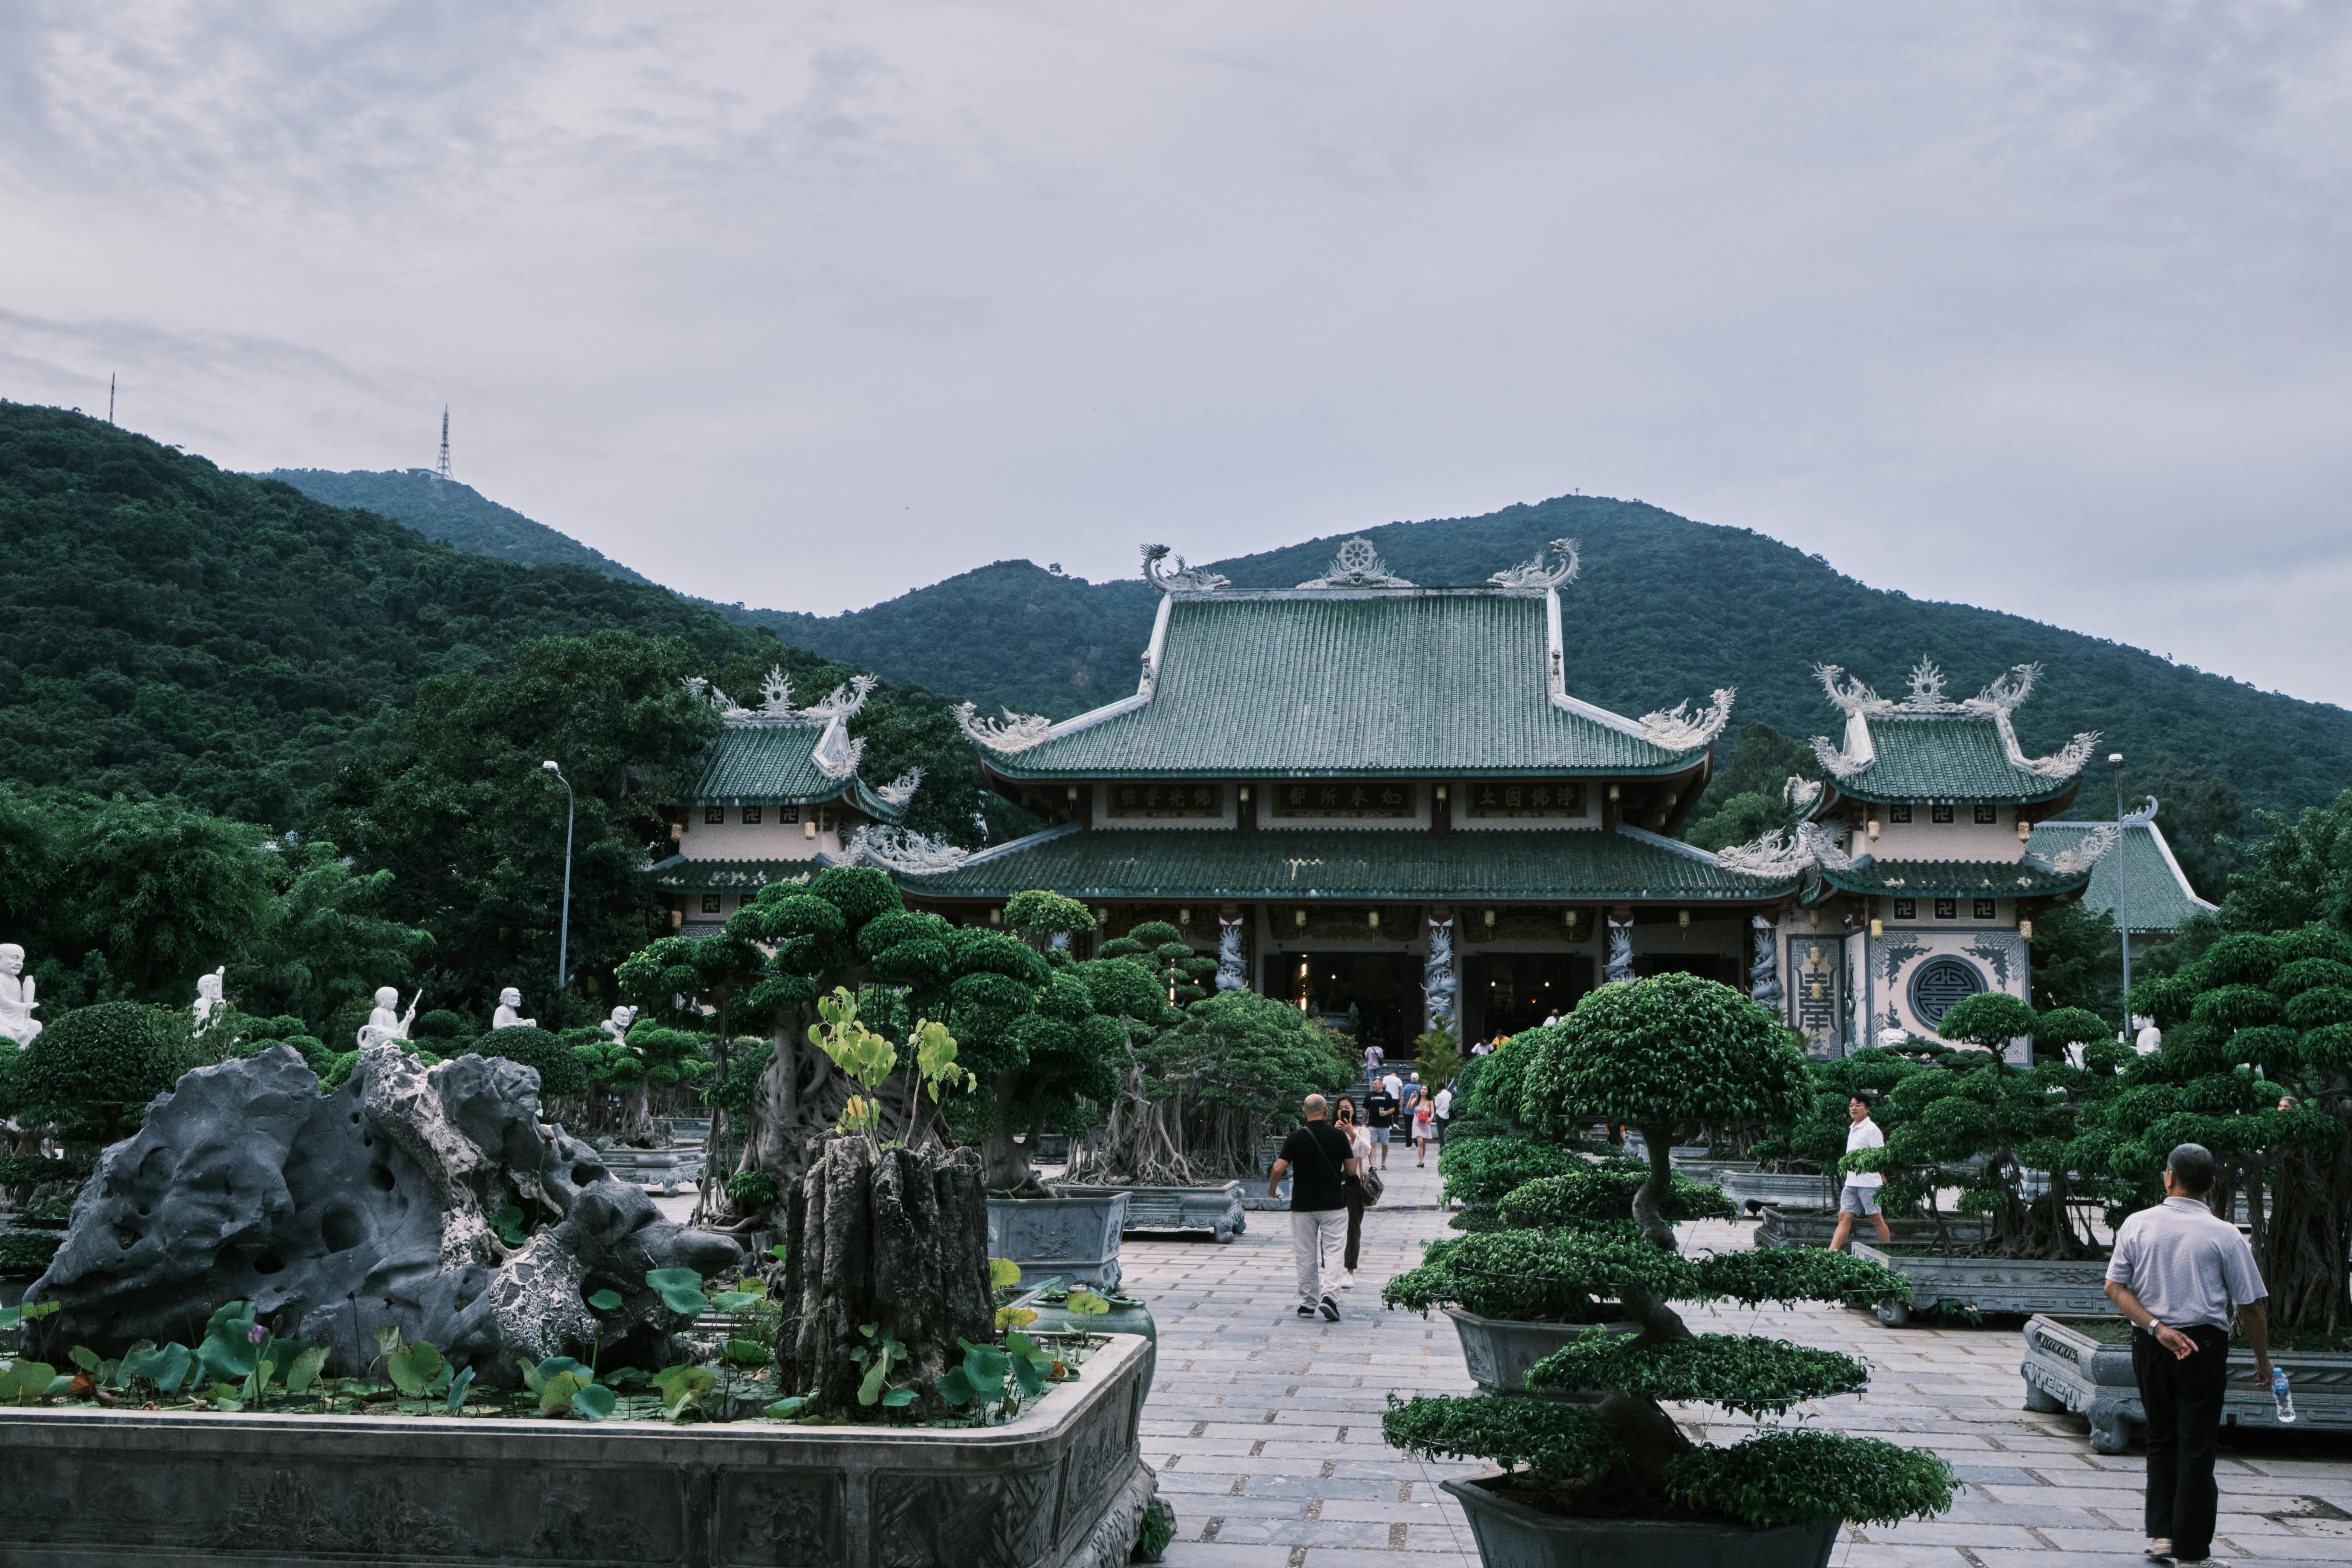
[1962,840]
[766,840]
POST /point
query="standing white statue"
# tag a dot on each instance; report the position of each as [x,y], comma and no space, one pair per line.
[506,1017]
[387,1023]
[208,996]
[2150,1039]
[617,1025]
[16,1002]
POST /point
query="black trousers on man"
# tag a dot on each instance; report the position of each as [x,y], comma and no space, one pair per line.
[1355,1232]
[2183,1400]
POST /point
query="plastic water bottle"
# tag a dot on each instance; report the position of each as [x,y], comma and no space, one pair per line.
[2281,1399]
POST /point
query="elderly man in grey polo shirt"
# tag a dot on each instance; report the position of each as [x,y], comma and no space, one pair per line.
[2177,1270]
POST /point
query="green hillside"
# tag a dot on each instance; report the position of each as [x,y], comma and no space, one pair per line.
[1664,609]
[455,514]
[176,629]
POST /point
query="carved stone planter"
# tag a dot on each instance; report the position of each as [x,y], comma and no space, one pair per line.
[1075,1238]
[1753,1189]
[1512,1535]
[1217,1210]
[1785,1227]
[2066,1368]
[1990,1284]
[1499,1350]
[1065,1486]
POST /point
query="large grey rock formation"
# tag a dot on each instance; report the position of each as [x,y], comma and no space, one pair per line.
[336,1213]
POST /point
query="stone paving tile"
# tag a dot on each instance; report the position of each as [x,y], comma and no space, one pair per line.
[1267,1426]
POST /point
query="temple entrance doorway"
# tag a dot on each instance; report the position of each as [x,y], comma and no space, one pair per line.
[1503,992]
[1374,998]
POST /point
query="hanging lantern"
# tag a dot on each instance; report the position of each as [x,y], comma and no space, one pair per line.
[1183,916]
[996,917]
[1298,917]
[1490,920]
[1373,919]
[2025,929]
[1812,920]
[1682,918]
[1877,928]
[1812,958]
[1871,827]
[1820,994]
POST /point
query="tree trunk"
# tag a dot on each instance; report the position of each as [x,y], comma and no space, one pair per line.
[901,1244]
[1650,1198]
[1009,1175]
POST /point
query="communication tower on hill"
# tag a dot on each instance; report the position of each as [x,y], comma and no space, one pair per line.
[443,469]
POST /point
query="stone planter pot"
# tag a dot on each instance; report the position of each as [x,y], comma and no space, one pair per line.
[1499,1350]
[1127,1316]
[1075,1238]
[1814,1227]
[1065,1486]
[1217,1210]
[1512,1535]
[1991,1284]
[2068,1369]
[1753,1190]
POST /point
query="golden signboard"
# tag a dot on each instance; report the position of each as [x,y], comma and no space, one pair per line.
[1523,797]
[1149,799]
[1342,797]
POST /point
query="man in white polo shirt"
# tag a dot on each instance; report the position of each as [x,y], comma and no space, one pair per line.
[2176,1270]
[1859,1195]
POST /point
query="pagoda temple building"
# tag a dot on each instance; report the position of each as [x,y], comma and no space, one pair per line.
[1380,802]
[776,796]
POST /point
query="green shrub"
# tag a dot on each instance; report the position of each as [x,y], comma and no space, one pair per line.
[33,1169]
[440,1024]
[741,1085]
[55,1214]
[20,1253]
[751,1192]
[559,1070]
[1479,1172]
[1804,1477]
[1604,1194]
[97,1067]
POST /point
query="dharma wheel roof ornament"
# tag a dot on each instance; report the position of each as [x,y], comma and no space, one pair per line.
[1184,579]
[1536,574]
[1357,565]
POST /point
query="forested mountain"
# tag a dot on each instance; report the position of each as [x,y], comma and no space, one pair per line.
[455,514]
[176,629]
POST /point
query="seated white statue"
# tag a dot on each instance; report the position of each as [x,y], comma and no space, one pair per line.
[617,1025]
[506,1017]
[386,1023]
[2150,1039]
[16,1002]
[208,996]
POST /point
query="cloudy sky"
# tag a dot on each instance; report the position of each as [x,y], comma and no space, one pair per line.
[2043,307]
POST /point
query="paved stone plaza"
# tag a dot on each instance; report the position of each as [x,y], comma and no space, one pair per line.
[1266,1427]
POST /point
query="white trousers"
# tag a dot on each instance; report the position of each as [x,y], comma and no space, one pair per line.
[1319,1240]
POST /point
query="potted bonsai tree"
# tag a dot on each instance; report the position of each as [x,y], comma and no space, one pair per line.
[1965,1115]
[1615,1478]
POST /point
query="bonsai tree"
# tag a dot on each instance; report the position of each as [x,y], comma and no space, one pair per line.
[559,1069]
[1199,1095]
[652,1056]
[687,981]
[1182,972]
[1658,1054]
[1668,1052]
[2258,1019]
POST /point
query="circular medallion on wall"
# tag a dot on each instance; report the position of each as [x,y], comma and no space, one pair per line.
[1939,985]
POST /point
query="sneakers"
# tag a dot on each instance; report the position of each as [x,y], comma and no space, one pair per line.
[1331,1311]
[2160,1549]
[1350,1282]
[1305,1310]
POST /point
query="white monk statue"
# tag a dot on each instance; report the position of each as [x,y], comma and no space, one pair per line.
[208,996]
[2150,1039]
[508,1016]
[617,1025]
[386,1023]
[16,1004]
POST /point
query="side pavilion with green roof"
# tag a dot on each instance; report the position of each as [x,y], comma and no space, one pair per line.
[2139,882]
[775,796]
[1377,800]
[1924,859]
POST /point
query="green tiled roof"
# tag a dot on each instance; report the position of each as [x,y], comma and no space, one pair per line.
[2156,897]
[1395,682]
[775,764]
[1946,757]
[680,875]
[1955,879]
[1556,866]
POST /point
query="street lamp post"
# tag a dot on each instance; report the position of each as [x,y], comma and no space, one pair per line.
[2122,916]
[564,932]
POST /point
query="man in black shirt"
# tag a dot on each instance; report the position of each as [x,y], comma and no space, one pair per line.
[1379,1118]
[1315,1156]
